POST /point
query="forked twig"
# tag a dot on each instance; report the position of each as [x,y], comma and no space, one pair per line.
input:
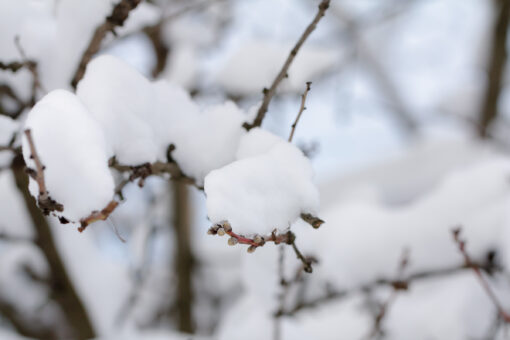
[269,93]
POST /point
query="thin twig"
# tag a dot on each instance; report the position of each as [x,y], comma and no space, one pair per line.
[269,93]
[32,68]
[119,14]
[45,202]
[312,220]
[332,294]
[467,260]
[301,109]
[496,67]
[378,320]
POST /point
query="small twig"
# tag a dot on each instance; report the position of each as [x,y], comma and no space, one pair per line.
[301,109]
[467,260]
[269,93]
[332,294]
[32,68]
[256,241]
[119,14]
[277,330]
[45,202]
[98,215]
[314,221]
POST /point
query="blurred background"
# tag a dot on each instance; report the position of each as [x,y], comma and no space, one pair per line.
[406,127]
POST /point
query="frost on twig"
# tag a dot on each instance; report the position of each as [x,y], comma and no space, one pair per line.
[224,228]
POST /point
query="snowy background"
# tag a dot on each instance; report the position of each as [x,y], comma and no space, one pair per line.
[387,153]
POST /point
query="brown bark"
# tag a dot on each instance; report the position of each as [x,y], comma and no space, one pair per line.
[184,260]
[496,69]
[62,288]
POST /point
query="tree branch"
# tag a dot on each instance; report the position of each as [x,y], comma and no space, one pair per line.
[45,202]
[269,93]
[301,109]
[467,260]
[119,14]
[61,286]
[333,294]
[497,66]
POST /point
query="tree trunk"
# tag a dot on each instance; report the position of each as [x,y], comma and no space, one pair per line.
[62,289]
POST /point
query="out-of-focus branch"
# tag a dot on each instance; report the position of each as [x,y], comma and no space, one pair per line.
[269,93]
[333,294]
[184,260]
[301,109]
[24,325]
[496,67]
[383,308]
[119,14]
[461,244]
[312,220]
[154,33]
[4,237]
[32,68]
[15,66]
[386,84]
[63,291]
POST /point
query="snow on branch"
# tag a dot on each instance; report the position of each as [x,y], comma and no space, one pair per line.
[269,93]
[119,14]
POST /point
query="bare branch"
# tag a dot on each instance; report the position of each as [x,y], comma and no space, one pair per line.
[119,14]
[381,75]
[467,260]
[269,93]
[15,66]
[377,328]
[333,294]
[63,291]
[301,109]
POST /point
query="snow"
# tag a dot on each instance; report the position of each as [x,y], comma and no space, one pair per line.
[71,146]
[141,119]
[363,240]
[268,190]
